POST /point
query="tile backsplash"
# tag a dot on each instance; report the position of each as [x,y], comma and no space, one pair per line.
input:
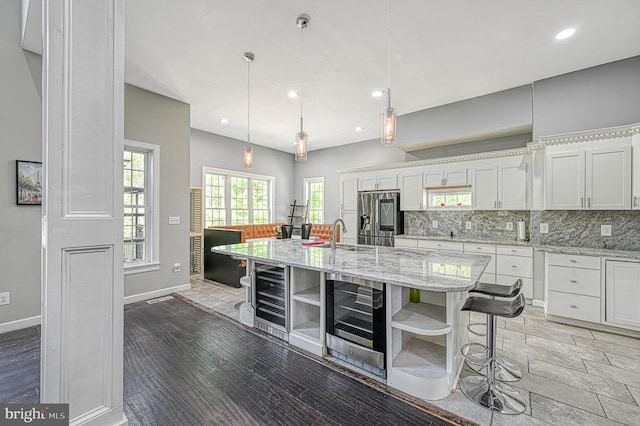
[491,225]
[581,228]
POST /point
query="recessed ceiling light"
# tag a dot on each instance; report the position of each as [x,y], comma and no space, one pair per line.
[359,129]
[292,94]
[224,120]
[565,33]
[377,93]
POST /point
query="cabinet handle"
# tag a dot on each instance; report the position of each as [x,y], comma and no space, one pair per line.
[513,266]
[581,202]
[514,251]
[635,201]
[495,204]
[589,202]
[499,204]
[573,281]
[573,261]
[574,306]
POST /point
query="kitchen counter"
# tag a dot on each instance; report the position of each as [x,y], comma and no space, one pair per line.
[586,251]
[425,270]
[460,239]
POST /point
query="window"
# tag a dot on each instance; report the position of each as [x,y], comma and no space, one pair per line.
[236,198]
[314,194]
[449,199]
[140,207]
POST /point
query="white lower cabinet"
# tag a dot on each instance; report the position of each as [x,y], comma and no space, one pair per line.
[576,306]
[489,275]
[441,245]
[307,325]
[405,243]
[622,283]
[514,263]
[423,345]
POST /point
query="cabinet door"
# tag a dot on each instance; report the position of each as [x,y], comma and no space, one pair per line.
[512,187]
[623,293]
[456,177]
[485,188]
[349,233]
[348,193]
[388,181]
[608,179]
[635,201]
[367,183]
[433,178]
[565,180]
[411,192]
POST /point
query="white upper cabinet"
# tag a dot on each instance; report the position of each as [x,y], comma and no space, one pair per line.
[378,181]
[348,193]
[500,187]
[445,177]
[598,179]
[635,201]
[411,190]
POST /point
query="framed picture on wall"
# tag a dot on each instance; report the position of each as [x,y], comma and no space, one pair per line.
[28,183]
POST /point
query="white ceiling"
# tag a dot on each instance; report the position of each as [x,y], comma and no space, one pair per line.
[442,51]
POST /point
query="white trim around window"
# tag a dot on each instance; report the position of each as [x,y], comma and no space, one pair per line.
[151,261]
[307,196]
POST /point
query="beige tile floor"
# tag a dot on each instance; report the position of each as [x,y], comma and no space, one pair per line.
[571,375]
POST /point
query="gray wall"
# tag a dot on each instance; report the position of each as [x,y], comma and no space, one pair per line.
[209,149]
[326,162]
[604,96]
[20,139]
[494,144]
[159,120]
[497,114]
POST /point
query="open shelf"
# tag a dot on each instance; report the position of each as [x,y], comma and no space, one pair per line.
[424,319]
[422,359]
[309,329]
[309,295]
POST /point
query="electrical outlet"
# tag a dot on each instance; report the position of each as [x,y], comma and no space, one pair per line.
[605,230]
[544,228]
[5,298]
[509,226]
[467,225]
[434,224]
[176,267]
[174,220]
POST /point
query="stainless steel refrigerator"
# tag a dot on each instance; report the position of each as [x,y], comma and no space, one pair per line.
[380,218]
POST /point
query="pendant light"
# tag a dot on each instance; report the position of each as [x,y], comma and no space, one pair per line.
[302,138]
[247,153]
[388,115]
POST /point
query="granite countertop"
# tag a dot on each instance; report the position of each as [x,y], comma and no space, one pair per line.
[586,251]
[426,270]
[461,239]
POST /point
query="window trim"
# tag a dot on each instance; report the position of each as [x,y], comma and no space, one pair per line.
[229,173]
[305,183]
[152,180]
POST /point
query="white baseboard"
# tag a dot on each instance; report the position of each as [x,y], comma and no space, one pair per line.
[155,293]
[20,324]
[538,303]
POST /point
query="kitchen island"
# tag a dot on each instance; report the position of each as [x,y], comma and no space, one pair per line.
[421,341]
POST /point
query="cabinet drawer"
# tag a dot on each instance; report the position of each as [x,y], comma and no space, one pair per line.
[515,266]
[405,243]
[585,308]
[488,278]
[515,251]
[441,245]
[479,248]
[588,262]
[527,284]
[574,280]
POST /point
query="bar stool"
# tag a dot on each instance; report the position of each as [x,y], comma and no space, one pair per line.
[485,390]
[476,356]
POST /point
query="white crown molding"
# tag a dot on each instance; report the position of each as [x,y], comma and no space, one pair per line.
[444,160]
[587,136]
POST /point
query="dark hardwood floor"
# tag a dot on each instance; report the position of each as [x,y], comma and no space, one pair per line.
[183,366]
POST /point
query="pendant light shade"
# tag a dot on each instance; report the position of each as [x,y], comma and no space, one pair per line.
[388,115]
[247,153]
[302,138]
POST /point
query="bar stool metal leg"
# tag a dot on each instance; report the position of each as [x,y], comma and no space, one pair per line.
[488,392]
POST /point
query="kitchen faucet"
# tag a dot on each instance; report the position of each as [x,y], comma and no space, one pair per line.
[333,231]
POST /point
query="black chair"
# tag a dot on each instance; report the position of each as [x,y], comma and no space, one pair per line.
[287,231]
[485,390]
[305,231]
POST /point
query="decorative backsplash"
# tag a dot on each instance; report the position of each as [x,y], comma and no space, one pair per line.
[582,228]
[484,224]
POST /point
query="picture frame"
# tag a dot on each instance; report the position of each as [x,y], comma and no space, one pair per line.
[28,183]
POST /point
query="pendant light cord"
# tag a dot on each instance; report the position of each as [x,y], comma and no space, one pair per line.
[389,53]
[249,102]
[302,27]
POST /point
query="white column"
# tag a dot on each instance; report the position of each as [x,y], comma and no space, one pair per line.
[82,269]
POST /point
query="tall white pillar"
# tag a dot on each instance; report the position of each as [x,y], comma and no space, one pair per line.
[82,267]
